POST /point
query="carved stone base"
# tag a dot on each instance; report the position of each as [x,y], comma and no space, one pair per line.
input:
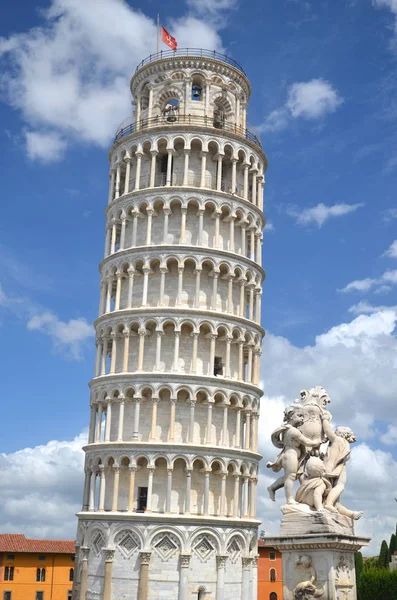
[318,566]
[300,519]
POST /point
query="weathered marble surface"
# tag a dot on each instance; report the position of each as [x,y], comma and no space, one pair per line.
[318,566]
[300,519]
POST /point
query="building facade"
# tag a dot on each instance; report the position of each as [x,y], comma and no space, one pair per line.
[36,569]
[270,573]
[169,508]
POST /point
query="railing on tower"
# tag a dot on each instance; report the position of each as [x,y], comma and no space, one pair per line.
[197,120]
[197,52]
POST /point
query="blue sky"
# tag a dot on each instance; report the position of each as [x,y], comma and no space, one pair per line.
[323,99]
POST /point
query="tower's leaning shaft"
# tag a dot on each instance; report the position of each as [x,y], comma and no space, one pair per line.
[169,508]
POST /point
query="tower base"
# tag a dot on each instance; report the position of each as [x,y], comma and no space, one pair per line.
[124,557]
[318,566]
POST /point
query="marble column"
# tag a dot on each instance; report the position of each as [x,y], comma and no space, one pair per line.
[184,576]
[131,498]
[188,490]
[135,434]
[254,578]
[220,577]
[143,588]
[84,552]
[245,588]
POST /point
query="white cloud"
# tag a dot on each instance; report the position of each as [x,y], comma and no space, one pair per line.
[356,363]
[47,147]
[70,85]
[211,7]
[382,283]
[69,336]
[312,99]
[390,437]
[367,308]
[307,100]
[320,213]
[391,252]
[276,121]
[48,478]
[390,4]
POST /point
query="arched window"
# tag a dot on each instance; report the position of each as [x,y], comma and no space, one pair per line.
[197,88]
[71,574]
[40,574]
[171,110]
[272,575]
[201,593]
[273,596]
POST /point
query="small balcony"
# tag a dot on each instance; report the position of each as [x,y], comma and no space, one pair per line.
[176,120]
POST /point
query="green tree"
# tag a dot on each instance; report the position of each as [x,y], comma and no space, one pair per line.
[371,563]
[377,584]
[383,555]
[392,546]
[359,565]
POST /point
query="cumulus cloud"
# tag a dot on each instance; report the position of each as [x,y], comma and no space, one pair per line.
[355,362]
[320,213]
[312,99]
[391,252]
[69,85]
[380,285]
[67,336]
[308,100]
[48,478]
[47,147]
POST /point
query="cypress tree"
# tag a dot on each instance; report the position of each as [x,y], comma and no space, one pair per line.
[392,546]
[359,564]
[383,555]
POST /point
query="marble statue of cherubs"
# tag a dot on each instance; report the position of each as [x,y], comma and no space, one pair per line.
[294,450]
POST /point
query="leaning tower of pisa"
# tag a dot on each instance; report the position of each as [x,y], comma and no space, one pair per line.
[171,464]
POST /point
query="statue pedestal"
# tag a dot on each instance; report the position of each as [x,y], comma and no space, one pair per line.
[318,565]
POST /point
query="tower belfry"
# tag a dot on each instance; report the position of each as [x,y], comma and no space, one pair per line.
[171,467]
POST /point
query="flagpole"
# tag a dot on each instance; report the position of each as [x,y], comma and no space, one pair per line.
[158,33]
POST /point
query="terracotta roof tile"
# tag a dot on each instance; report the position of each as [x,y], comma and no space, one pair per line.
[16,542]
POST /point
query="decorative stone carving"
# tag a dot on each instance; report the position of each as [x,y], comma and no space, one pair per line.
[109,554]
[305,590]
[165,545]
[185,560]
[98,543]
[234,550]
[316,507]
[221,561]
[145,557]
[128,543]
[203,548]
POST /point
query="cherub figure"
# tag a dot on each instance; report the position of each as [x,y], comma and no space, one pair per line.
[314,485]
[335,460]
[294,450]
[305,590]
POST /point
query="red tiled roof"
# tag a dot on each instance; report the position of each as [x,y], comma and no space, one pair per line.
[16,542]
[262,544]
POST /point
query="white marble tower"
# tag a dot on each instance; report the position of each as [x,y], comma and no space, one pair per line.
[169,508]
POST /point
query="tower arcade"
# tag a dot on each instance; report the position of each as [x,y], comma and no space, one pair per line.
[169,507]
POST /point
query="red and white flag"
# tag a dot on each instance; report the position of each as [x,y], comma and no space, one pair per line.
[168,39]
